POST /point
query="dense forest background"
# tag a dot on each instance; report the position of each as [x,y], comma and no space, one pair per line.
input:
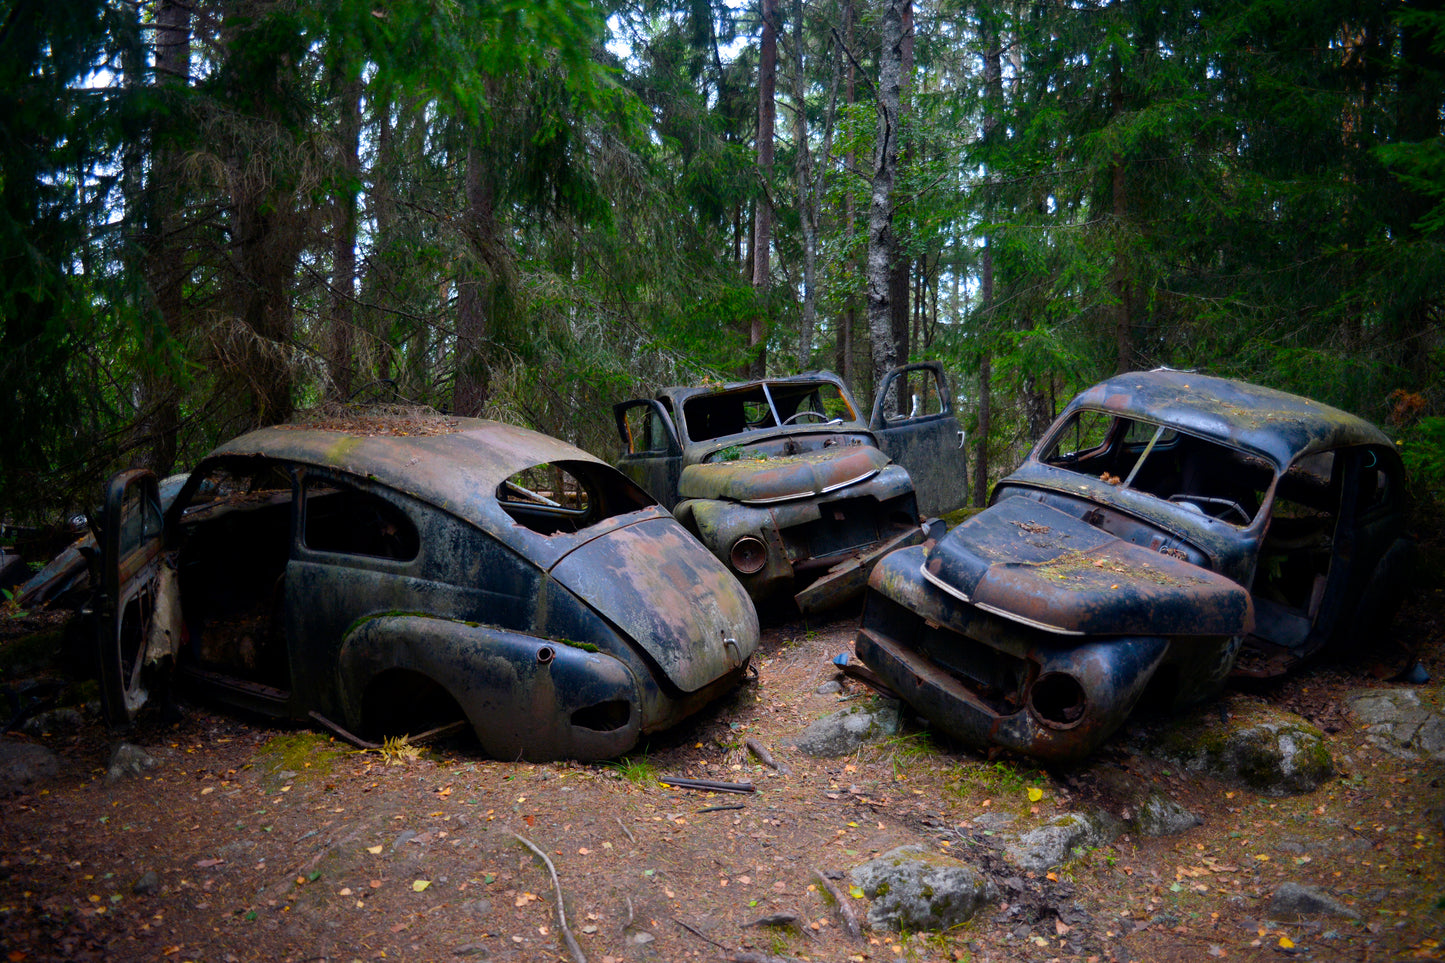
[215,214]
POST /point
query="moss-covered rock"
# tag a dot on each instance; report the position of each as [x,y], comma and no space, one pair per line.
[1272,752]
[914,889]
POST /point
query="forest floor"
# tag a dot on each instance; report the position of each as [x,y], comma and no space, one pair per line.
[251,842]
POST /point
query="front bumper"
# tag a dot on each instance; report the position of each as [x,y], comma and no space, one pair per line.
[987,681]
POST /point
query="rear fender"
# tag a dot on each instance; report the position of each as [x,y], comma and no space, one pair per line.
[525,697]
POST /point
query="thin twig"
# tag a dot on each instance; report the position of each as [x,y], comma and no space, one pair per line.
[698,934]
[845,909]
[721,809]
[625,831]
[567,936]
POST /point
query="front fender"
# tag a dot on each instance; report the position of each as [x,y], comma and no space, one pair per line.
[525,697]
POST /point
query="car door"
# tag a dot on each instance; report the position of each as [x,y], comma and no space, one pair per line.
[651,449]
[131,563]
[924,437]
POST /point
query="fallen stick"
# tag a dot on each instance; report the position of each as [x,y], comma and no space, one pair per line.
[721,809]
[706,785]
[625,831]
[567,936]
[845,909]
[698,933]
[759,958]
[764,757]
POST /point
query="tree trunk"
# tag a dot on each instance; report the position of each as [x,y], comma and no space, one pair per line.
[848,323]
[343,258]
[763,215]
[880,212]
[166,258]
[902,263]
[477,290]
[993,95]
[807,206]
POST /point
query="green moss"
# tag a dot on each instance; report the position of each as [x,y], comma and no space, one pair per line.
[584,646]
[297,757]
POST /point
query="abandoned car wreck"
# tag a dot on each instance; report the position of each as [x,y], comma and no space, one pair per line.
[1170,528]
[392,578]
[782,480]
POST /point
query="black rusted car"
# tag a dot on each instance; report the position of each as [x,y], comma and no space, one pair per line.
[782,480]
[388,576]
[1169,528]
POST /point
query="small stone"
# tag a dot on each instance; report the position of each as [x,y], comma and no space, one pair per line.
[149,883]
[1293,900]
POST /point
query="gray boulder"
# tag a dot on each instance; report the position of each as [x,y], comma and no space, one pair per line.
[849,729]
[1060,839]
[22,763]
[1404,722]
[1158,815]
[1294,901]
[1272,752]
[914,889]
[128,760]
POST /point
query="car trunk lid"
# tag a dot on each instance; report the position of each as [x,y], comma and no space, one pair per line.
[670,595]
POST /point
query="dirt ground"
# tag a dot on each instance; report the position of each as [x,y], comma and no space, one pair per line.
[252,842]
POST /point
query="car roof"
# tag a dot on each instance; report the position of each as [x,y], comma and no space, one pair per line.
[680,393]
[1277,424]
[453,463]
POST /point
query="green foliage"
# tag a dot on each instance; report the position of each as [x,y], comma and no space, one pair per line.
[1422,446]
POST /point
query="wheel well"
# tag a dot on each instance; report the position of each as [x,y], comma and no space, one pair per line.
[402,702]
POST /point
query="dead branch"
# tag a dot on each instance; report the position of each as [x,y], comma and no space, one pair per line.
[625,831]
[706,785]
[567,936]
[764,757]
[845,909]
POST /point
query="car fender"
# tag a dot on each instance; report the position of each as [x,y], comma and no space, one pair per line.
[526,697]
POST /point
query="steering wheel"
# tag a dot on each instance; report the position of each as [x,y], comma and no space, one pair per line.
[1213,507]
[806,411]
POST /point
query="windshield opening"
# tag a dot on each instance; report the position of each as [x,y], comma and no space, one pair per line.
[1198,475]
[767,405]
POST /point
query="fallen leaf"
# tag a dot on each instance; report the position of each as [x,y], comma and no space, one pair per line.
[418,885]
[374,850]
[1286,943]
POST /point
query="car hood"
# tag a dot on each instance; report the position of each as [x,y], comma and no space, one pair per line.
[776,479]
[666,592]
[1035,564]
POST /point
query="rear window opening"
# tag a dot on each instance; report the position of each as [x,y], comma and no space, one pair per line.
[1197,475]
[564,497]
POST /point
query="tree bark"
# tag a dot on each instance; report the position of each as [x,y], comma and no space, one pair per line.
[880,212]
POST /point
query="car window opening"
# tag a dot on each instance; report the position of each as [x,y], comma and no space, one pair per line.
[348,521]
[1198,475]
[563,497]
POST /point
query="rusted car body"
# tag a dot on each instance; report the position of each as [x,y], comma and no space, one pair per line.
[782,480]
[1169,528]
[392,576]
